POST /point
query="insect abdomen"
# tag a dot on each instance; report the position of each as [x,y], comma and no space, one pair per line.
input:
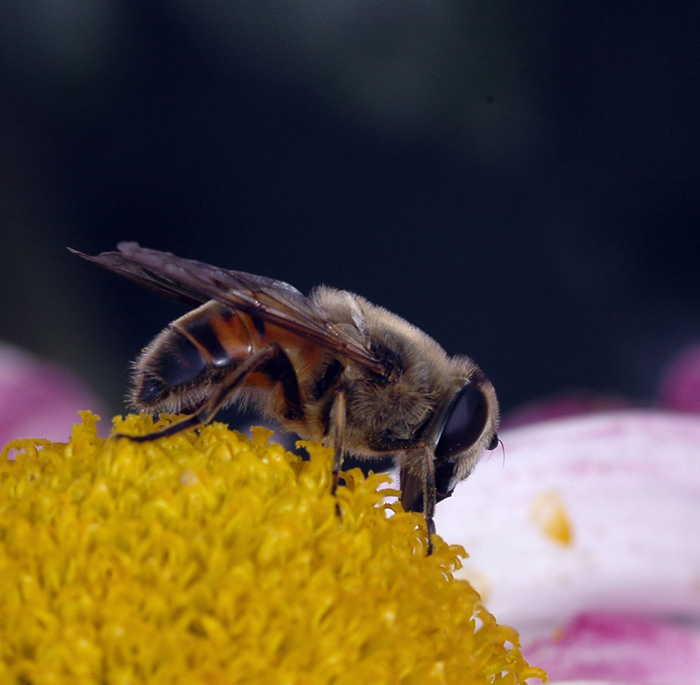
[177,367]
[178,362]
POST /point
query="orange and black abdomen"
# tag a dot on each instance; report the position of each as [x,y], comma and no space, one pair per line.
[177,371]
[191,352]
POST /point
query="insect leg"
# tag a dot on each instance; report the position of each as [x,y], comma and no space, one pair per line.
[338,414]
[429,497]
[418,487]
[271,359]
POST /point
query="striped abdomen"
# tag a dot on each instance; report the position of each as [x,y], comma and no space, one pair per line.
[175,371]
[179,369]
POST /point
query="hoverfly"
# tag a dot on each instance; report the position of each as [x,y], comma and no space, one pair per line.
[330,367]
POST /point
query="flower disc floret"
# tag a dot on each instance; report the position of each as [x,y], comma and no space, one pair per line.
[211,557]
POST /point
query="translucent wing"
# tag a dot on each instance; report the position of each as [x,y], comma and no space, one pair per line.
[195,282]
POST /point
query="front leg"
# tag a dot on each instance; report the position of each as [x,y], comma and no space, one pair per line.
[418,488]
[417,478]
[429,496]
[338,417]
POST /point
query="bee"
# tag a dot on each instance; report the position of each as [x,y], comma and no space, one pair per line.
[330,367]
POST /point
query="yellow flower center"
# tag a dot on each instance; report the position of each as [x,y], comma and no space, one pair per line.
[209,557]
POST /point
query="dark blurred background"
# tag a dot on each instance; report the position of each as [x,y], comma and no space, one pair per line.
[521,180]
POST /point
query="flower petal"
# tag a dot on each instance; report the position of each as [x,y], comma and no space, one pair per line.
[626,649]
[559,406]
[37,398]
[598,512]
[680,386]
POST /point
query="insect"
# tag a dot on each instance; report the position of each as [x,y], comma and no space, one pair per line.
[331,367]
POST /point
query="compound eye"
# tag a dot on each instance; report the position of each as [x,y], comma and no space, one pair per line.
[464,423]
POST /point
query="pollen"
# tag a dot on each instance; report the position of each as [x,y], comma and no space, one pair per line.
[212,557]
[550,516]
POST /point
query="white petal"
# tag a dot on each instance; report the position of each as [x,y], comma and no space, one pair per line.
[629,485]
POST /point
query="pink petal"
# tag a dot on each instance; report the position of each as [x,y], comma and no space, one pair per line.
[626,649]
[680,386]
[39,399]
[570,403]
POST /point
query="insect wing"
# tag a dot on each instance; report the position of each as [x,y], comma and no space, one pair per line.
[264,298]
[127,268]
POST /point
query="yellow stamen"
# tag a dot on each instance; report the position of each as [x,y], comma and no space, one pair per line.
[209,557]
[549,514]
